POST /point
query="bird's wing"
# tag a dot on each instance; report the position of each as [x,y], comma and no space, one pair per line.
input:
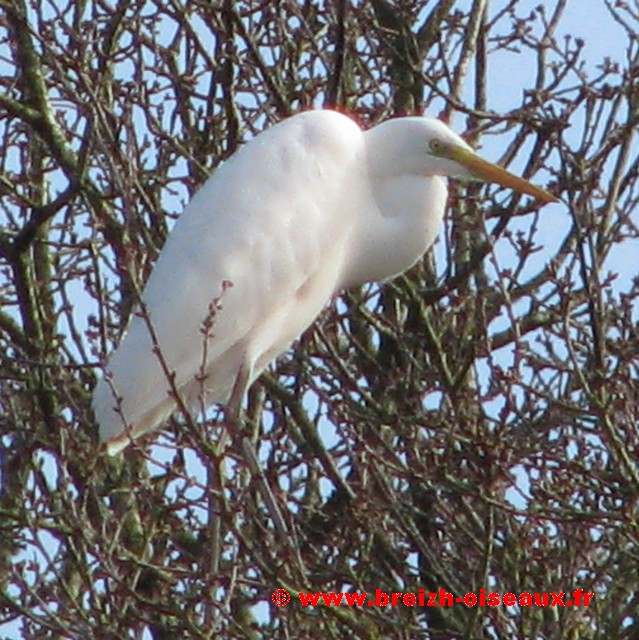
[264,236]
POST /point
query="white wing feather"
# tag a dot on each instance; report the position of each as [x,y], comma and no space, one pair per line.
[271,223]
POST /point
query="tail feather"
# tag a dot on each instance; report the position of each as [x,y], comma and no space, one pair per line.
[118,428]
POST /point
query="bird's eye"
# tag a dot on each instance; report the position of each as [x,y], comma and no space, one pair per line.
[436,146]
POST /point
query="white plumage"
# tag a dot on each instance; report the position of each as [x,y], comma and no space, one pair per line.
[309,207]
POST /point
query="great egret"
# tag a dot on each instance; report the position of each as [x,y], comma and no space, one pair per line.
[310,207]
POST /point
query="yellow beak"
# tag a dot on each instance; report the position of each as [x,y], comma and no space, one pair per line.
[489,172]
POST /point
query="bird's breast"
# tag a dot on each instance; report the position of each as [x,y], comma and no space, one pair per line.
[403,219]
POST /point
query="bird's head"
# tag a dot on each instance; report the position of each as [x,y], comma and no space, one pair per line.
[427,147]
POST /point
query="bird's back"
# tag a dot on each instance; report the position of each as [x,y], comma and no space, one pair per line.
[258,251]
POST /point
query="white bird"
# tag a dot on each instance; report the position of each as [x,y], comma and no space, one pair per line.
[310,207]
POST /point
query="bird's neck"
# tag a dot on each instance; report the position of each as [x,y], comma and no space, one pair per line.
[398,228]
